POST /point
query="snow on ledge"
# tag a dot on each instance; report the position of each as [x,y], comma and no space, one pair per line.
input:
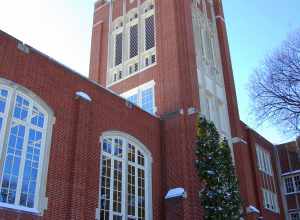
[83,95]
[176,193]
[252,209]
[291,173]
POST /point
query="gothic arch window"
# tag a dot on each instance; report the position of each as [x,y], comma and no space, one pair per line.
[132,42]
[125,178]
[25,134]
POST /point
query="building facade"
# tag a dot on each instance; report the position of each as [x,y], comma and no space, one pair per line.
[289,161]
[120,145]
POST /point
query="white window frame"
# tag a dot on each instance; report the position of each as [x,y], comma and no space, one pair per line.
[40,200]
[270,198]
[294,184]
[147,168]
[142,53]
[264,160]
[292,213]
[138,90]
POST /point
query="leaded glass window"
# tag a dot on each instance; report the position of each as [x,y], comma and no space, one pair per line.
[23,130]
[118,49]
[133,41]
[123,180]
[149,32]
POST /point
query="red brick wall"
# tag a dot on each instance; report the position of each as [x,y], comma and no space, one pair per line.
[289,161]
[176,88]
[73,175]
[256,179]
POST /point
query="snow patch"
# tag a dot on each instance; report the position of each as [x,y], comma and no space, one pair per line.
[84,96]
[176,193]
[252,209]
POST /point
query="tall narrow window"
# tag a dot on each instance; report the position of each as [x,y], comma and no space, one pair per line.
[149,32]
[23,148]
[133,41]
[270,200]
[124,179]
[118,49]
[264,160]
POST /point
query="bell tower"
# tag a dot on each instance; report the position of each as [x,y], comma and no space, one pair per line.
[171,58]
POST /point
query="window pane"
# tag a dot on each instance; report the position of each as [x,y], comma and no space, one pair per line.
[31,168]
[141,194]
[37,117]
[147,100]
[105,188]
[118,49]
[149,32]
[141,159]
[131,190]
[10,172]
[118,147]
[289,185]
[295,216]
[131,153]
[3,99]
[133,99]
[133,41]
[297,182]
[107,145]
[117,187]
[21,108]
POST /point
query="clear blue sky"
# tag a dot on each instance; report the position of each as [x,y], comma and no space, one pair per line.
[255,28]
[62,30]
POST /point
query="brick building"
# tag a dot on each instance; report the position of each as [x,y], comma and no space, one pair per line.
[120,145]
[289,160]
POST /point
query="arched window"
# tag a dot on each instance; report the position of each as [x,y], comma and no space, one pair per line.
[25,131]
[125,178]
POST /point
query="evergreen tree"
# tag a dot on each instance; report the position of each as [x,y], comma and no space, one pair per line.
[220,196]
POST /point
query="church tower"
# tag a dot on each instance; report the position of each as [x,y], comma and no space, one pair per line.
[171,58]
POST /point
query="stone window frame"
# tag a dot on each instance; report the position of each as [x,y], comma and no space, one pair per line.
[131,66]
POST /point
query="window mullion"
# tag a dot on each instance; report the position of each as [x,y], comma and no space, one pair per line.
[136,184]
[6,128]
[111,184]
[125,181]
[22,165]
[23,155]
[40,166]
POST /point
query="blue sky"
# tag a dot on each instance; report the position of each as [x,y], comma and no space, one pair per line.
[62,30]
[255,28]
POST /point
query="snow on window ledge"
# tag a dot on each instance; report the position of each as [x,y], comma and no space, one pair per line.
[84,96]
[176,193]
[252,209]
